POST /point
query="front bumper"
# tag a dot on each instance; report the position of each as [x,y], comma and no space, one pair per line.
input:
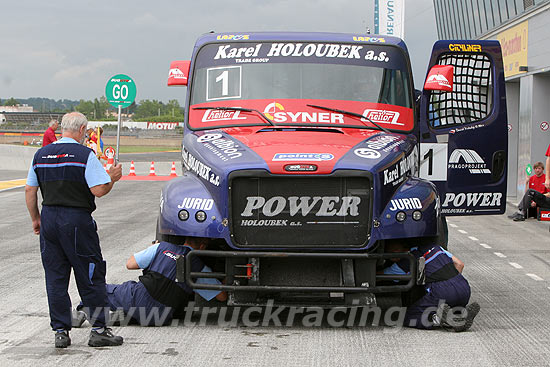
[348,275]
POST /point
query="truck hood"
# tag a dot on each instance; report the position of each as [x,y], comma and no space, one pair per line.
[278,148]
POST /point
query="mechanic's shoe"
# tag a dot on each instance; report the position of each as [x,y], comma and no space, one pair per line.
[519,218]
[471,312]
[514,215]
[79,317]
[442,314]
[62,339]
[104,339]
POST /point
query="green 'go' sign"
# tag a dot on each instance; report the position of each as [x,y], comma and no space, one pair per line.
[120,90]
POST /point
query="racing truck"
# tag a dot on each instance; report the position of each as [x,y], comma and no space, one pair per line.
[304,153]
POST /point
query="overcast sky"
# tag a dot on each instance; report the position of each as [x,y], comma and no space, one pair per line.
[68,49]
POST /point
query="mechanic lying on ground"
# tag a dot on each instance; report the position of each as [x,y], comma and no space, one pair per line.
[157,291]
[444,284]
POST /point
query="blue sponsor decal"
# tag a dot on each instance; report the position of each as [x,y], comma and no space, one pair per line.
[303,157]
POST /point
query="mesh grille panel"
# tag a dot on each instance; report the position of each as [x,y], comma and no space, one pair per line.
[471,98]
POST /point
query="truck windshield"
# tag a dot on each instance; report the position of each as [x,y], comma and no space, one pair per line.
[282,79]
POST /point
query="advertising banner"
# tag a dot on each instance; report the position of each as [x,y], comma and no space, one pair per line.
[389,17]
[514,48]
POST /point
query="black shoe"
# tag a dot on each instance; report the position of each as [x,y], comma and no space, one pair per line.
[62,339]
[104,339]
[471,312]
[79,317]
[519,218]
[513,215]
[443,312]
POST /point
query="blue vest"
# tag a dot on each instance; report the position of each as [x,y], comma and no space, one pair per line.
[159,278]
[60,172]
[438,265]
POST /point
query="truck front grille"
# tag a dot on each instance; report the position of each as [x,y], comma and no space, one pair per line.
[273,211]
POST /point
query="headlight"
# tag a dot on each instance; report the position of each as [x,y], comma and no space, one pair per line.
[400,216]
[183,214]
[200,216]
[417,215]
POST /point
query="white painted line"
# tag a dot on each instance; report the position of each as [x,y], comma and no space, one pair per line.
[12,188]
[453,225]
[516,265]
[534,277]
[485,245]
[462,231]
[473,238]
[499,254]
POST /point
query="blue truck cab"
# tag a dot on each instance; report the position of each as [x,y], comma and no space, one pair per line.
[304,153]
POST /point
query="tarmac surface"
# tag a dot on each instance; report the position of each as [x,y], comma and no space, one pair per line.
[507,265]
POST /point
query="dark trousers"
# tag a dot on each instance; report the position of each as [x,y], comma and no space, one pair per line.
[454,292]
[539,199]
[135,301]
[68,239]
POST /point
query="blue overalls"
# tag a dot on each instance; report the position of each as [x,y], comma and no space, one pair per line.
[154,299]
[443,283]
[64,171]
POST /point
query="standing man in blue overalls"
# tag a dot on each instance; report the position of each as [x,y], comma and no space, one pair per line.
[70,177]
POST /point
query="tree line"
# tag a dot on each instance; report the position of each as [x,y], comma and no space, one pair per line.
[100,110]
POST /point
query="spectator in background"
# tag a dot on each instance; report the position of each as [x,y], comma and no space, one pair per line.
[92,140]
[547,181]
[49,134]
[535,184]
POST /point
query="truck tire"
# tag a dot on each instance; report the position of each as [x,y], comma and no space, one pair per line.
[442,232]
[158,235]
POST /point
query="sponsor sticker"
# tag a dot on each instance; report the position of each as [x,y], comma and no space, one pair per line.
[224,148]
[318,50]
[466,128]
[468,159]
[276,112]
[196,203]
[381,141]
[462,47]
[192,164]
[170,254]
[369,39]
[382,117]
[320,206]
[233,37]
[404,204]
[367,153]
[396,173]
[303,157]
[456,203]
[221,115]
[176,73]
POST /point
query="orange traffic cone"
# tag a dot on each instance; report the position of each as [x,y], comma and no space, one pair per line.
[152,169]
[173,170]
[132,169]
[110,162]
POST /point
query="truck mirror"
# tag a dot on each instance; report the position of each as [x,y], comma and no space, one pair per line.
[179,73]
[440,78]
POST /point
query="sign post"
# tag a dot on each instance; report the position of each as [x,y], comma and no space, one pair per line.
[120,92]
